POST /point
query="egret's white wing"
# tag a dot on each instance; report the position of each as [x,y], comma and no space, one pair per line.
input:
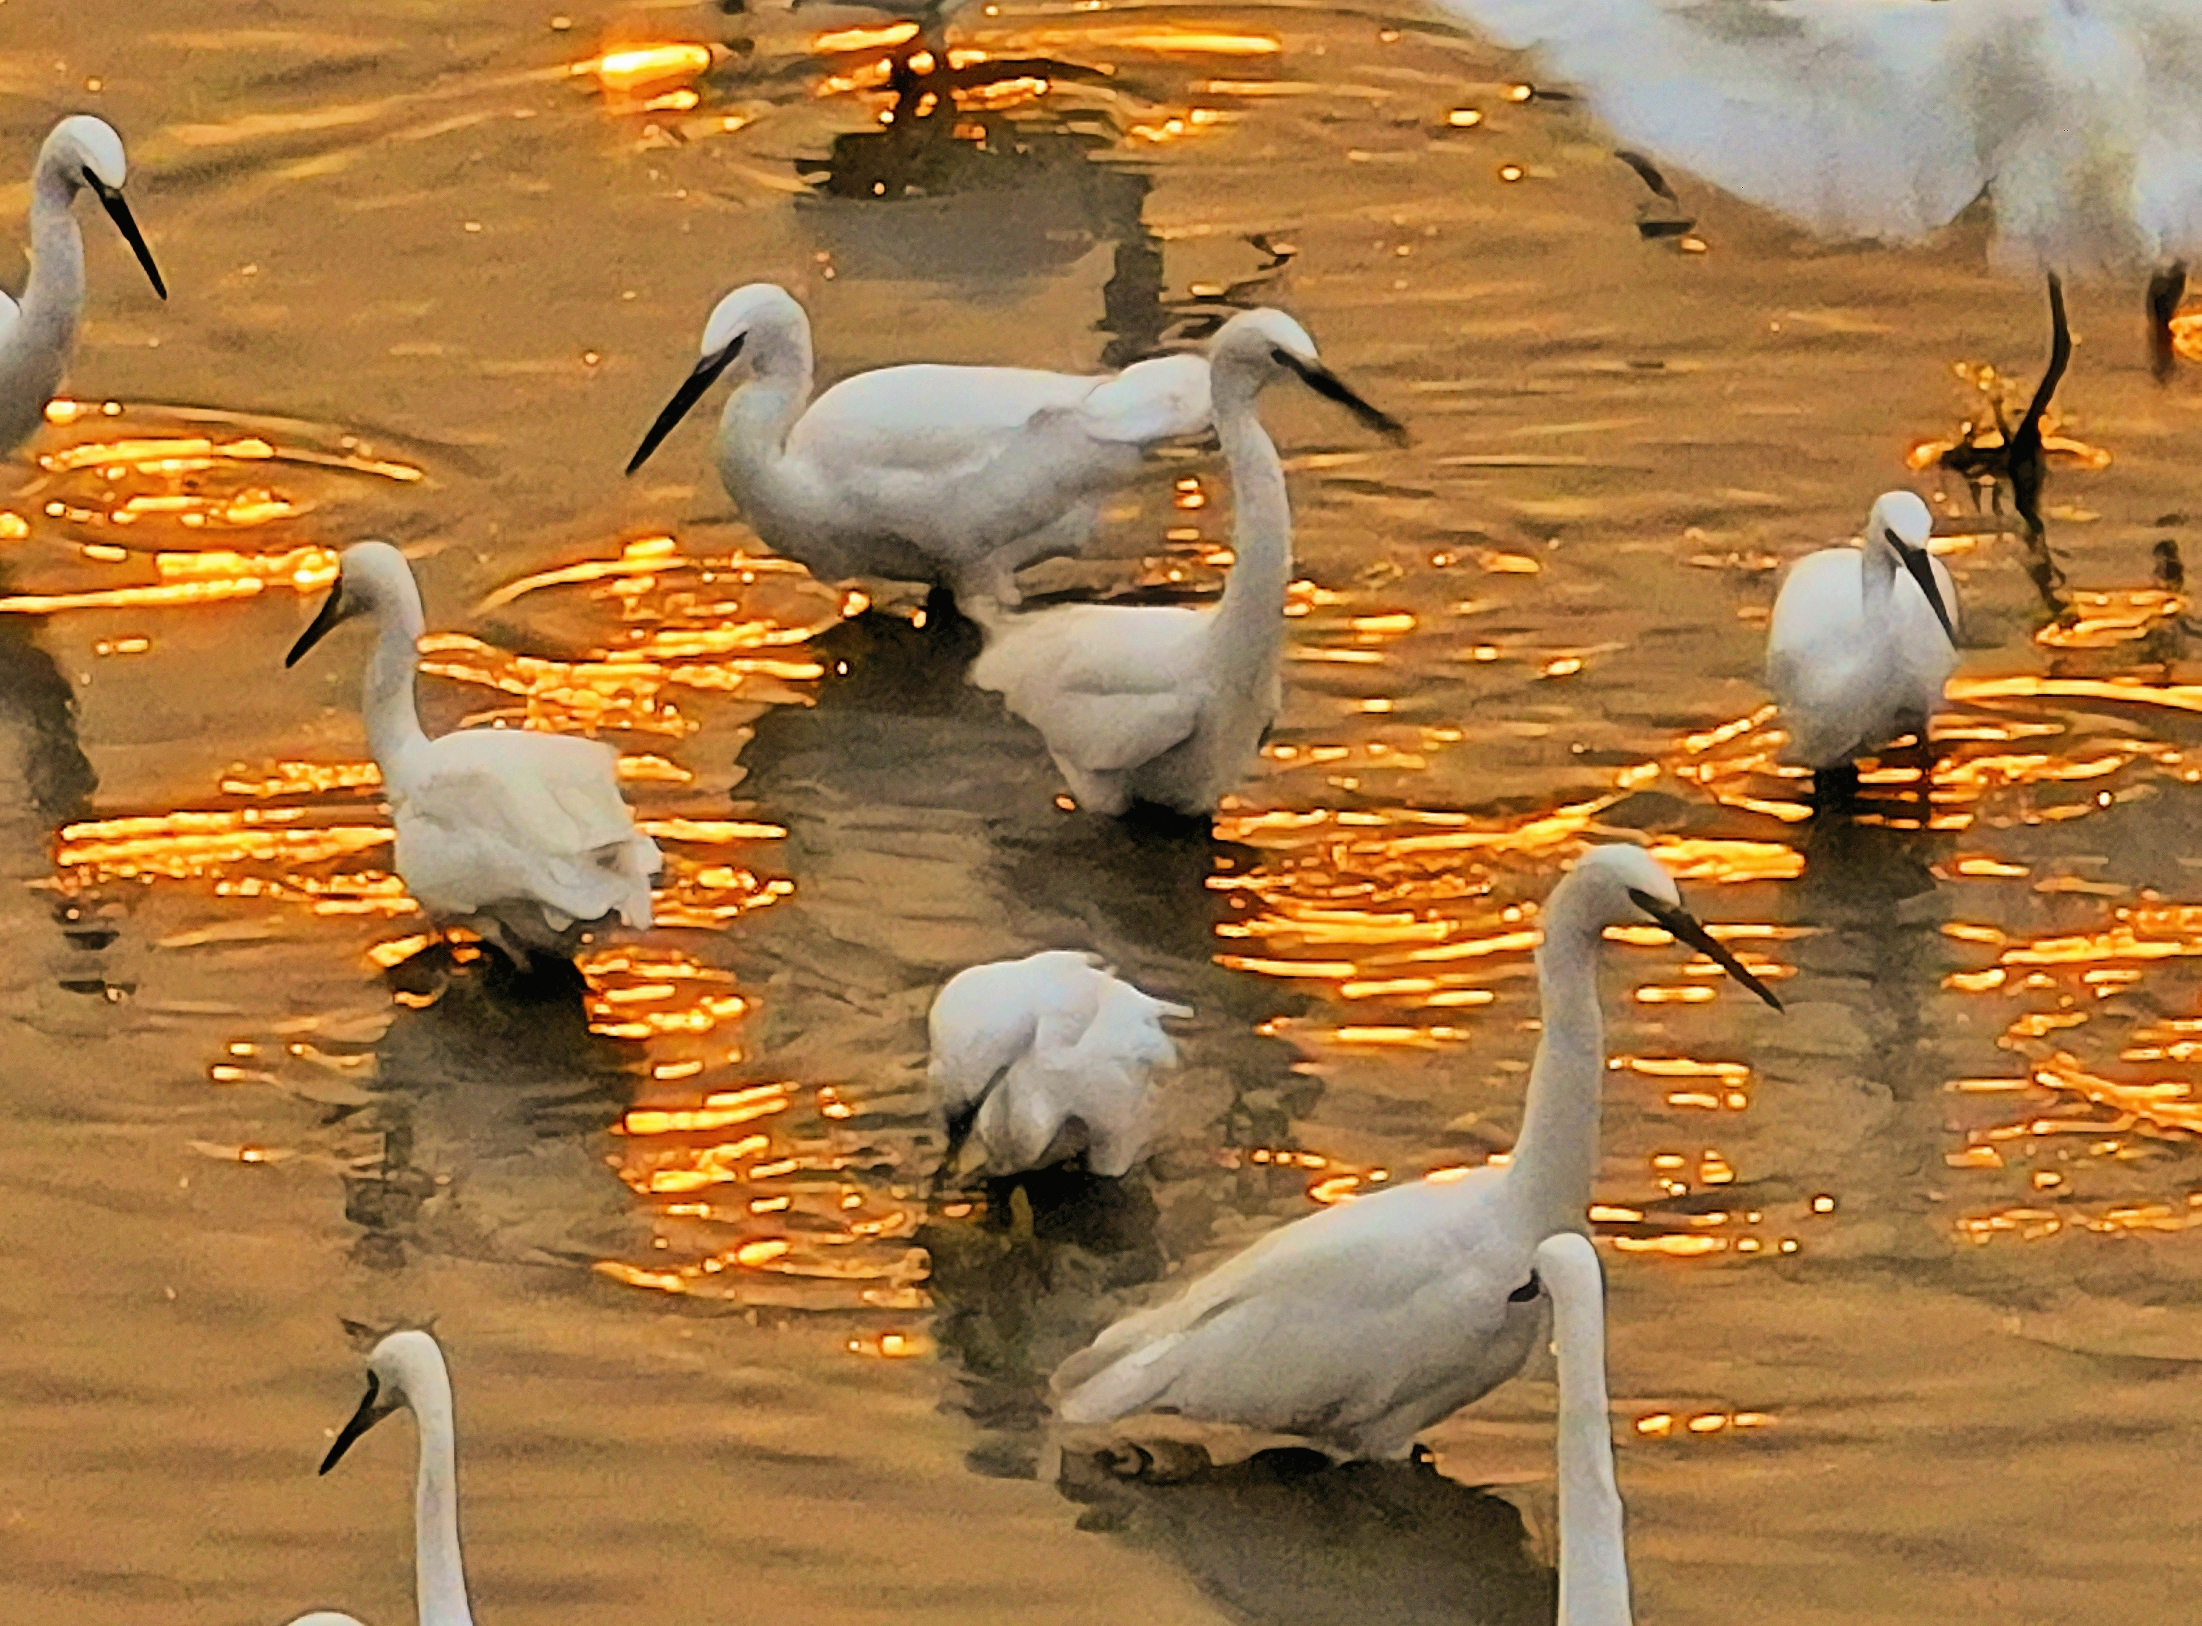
[928,419]
[1110,686]
[1859,117]
[1149,401]
[986,1016]
[1322,1323]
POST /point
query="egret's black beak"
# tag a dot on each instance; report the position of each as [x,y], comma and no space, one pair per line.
[332,611]
[369,1414]
[1331,387]
[690,392]
[118,211]
[1921,565]
[960,1126]
[1684,927]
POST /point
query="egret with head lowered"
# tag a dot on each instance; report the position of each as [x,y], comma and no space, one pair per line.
[522,837]
[1361,1325]
[1863,639]
[36,336]
[406,1372]
[957,475]
[1161,703]
[1046,1059]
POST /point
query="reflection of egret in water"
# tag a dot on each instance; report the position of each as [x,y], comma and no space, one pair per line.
[1285,1539]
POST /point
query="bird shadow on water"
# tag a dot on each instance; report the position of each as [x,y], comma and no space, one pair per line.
[1287,1538]
[490,1095]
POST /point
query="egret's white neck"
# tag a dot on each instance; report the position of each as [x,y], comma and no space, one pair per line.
[1250,620]
[54,297]
[1594,1559]
[1556,1157]
[1876,583]
[753,430]
[387,702]
[439,1572]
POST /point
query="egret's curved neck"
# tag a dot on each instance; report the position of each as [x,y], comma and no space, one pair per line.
[393,718]
[1556,1157]
[753,430]
[1594,1559]
[439,1573]
[54,297]
[1251,617]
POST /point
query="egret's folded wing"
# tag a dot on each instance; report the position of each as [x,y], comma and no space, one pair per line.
[1288,1323]
[1113,733]
[1858,117]
[1150,401]
[928,419]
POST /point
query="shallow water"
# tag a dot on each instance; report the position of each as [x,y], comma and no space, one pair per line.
[1903,1312]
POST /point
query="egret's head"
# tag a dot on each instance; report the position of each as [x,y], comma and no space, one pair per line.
[371,577]
[86,152]
[753,318]
[1264,345]
[89,151]
[398,1369]
[1902,524]
[1621,885]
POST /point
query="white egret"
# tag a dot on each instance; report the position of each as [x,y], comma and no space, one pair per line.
[962,475]
[407,1370]
[1854,657]
[1594,1556]
[1042,1058]
[521,836]
[2081,119]
[37,335]
[1359,1326]
[1161,703]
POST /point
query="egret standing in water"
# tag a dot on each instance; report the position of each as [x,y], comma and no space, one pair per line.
[37,335]
[2081,119]
[1594,1554]
[1043,1059]
[1360,1326]
[1160,703]
[1855,655]
[962,475]
[406,1370]
[520,836]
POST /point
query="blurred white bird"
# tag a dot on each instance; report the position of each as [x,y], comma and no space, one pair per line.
[1159,703]
[962,475]
[1854,656]
[407,1370]
[1046,1057]
[37,335]
[2081,119]
[1594,1556]
[1361,1325]
[523,837]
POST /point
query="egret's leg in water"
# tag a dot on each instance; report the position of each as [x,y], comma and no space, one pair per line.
[2165,290]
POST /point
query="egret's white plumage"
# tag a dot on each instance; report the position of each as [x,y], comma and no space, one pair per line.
[1594,1558]
[406,1371]
[2082,119]
[1159,703]
[37,335]
[522,836]
[1857,652]
[928,473]
[1361,1325]
[1047,1057]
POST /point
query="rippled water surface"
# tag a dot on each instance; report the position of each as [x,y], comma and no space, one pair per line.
[1904,1312]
